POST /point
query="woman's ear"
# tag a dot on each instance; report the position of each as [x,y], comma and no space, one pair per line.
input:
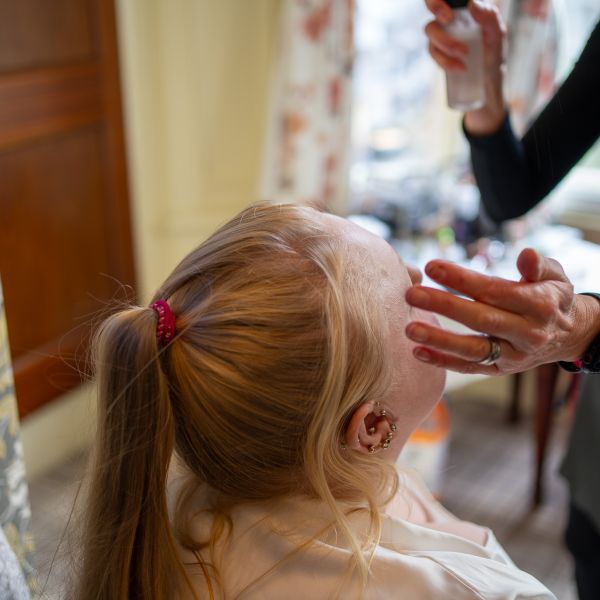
[367,429]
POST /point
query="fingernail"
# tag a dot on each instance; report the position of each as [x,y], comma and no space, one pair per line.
[423,354]
[416,333]
[417,297]
[436,272]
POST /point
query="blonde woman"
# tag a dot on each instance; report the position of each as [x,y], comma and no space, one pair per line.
[250,419]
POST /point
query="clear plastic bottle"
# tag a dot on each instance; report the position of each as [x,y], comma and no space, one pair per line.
[466,90]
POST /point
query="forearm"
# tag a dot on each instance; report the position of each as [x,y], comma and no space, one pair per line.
[501,170]
[514,175]
[497,156]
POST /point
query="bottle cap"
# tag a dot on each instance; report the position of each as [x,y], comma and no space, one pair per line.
[457,3]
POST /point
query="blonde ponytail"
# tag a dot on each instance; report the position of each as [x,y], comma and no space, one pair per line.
[129,552]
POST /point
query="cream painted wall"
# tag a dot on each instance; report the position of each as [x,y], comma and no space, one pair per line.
[195,82]
[58,430]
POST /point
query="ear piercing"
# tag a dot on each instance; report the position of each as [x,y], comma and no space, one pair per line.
[385,444]
[387,441]
[382,411]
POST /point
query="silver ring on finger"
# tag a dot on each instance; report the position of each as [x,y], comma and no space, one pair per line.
[494,353]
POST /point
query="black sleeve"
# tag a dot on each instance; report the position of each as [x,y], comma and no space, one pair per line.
[514,175]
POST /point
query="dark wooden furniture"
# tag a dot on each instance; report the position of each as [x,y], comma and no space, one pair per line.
[546,380]
[65,230]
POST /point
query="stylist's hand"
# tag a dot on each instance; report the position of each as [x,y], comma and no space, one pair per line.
[449,53]
[537,320]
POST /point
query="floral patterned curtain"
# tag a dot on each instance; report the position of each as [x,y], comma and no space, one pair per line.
[15,514]
[308,134]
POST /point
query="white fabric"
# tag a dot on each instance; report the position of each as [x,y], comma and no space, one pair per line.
[412,561]
[12,582]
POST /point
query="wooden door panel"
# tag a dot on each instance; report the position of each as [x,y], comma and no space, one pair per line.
[56,236]
[46,102]
[65,242]
[39,33]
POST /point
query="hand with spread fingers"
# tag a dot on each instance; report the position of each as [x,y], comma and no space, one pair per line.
[449,53]
[524,324]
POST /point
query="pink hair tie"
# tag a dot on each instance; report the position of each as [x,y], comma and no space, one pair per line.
[165,328]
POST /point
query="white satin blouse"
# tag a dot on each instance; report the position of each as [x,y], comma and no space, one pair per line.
[427,560]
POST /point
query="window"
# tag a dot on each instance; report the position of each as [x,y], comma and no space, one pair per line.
[408,153]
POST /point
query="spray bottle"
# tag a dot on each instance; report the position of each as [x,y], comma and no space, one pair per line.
[466,89]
